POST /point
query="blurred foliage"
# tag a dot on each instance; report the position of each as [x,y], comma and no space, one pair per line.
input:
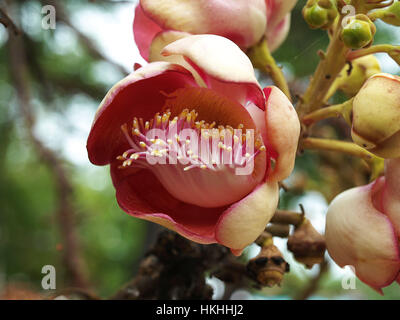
[64,70]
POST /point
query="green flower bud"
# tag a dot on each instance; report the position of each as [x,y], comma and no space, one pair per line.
[359,32]
[376,116]
[351,80]
[392,14]
[320,14]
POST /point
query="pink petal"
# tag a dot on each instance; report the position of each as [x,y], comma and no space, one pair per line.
[277,35]
[242,21]
[144,30]
[283,131]
[258,116]
[391,194]
[163,39]
[140,94]
[277,10]
[359,235]
[140,194]
[222,65]
[243,222]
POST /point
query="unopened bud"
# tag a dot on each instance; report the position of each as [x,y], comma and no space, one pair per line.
[359,32]
[376,116]
[307,245]
[352,78]
[320,14]
[268,267]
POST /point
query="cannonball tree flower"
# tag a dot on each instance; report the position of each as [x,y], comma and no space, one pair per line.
[205,201]
[363,229]
[159,22]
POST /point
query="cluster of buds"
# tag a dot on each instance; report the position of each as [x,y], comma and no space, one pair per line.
[363,223]
[320,13]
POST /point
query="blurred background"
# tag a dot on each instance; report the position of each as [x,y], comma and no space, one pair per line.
[56,208]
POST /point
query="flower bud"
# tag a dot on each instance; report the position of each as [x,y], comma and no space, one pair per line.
[268,267]
[359,32]
[376,116]
[359,235]
[320,14]
[307,245]
[350,80]
[391,15]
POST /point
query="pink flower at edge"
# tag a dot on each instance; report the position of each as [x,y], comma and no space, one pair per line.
[205,205]
[158,23]
[363,229]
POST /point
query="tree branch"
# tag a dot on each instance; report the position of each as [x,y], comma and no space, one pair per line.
[175,268]
[313,285]
[7,22]
[86,41]
[71,253]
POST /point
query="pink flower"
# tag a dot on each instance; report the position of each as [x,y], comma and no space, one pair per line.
[363,229]
[158,23]
[204,201]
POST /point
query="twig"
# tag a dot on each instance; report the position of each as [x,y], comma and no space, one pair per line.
[345,147]
[278,230]
[71,254]
[7,22]
[287,217]
[262,59]
[314,283]
[331,63]
[175,269]
[86,41]
[339,110]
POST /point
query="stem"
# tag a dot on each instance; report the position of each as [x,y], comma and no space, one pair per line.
[287,217]
[349,148]
[278,230]
[262,59]
[376,164]
[385,48]
[328,69]
[378,13]
[343,109]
